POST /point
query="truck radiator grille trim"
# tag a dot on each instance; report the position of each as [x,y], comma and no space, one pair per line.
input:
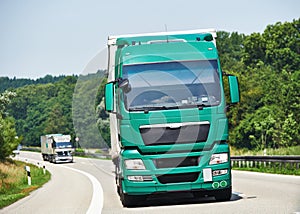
[178,178]
[150,151]
[176,162]
[159,135]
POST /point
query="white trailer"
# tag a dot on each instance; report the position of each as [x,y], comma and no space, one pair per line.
[57,148]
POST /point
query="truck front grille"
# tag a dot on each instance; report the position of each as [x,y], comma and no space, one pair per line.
[178,178]
[176,162]
[175,133]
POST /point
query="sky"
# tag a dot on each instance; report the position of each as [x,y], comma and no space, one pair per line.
[65,37]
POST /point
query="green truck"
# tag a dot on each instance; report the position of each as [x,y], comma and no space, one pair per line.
[168,124]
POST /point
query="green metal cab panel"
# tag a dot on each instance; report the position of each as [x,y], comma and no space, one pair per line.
[130,128]
[141,40]
[165,52]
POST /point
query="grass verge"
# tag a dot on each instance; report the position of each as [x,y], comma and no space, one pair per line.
[13,181]
[272,170]
[293,150]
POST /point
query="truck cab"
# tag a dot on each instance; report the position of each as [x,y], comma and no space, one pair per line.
[168,125]
[57,148]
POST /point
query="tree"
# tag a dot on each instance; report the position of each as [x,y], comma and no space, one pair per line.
[8,137]
[230,47]
[254,50]
[290,132]
[269,80]
[283,45]
[44,109]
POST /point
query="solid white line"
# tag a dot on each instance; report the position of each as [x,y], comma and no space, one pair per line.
[96,204]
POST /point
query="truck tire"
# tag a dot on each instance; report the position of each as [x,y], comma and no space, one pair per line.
[223,194]
[130,200]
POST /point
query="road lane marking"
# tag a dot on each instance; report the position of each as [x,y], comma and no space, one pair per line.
[244,196]
[96,204]
[239,194]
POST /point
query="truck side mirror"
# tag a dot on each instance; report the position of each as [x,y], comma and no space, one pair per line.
[234,89]
[109,97]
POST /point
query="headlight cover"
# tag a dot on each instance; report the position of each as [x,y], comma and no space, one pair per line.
[218,158]
[134,164]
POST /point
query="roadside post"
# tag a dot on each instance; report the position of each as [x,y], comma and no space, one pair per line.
[27,169]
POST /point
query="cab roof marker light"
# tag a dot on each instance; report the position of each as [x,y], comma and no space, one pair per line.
[165,41]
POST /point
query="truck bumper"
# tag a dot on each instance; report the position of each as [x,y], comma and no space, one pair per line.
[63,159]
[151,187]
[195,174]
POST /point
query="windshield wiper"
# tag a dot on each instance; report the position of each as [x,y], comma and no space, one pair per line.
[146,109]
[199,106]
[203,105]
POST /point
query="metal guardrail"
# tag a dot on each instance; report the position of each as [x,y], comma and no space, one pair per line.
[266,161]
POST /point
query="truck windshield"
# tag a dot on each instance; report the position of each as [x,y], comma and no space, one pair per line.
[180,84]
[64,145]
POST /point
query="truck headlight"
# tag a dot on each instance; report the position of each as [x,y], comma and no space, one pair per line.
[218,158]
[136,164]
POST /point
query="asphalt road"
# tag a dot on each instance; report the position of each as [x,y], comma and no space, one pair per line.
[72,191]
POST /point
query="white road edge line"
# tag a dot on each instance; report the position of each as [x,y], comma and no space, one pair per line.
[96,204]
[242,195]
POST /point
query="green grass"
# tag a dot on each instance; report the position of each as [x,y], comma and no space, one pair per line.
[13,181]
[271,170]
[274,168]
[294,150]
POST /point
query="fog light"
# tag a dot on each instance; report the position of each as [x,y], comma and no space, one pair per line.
[223,183]
[135,178]
[139,178]
[219,172]
[215,185]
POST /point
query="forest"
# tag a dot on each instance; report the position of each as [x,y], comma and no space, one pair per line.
[267,65]
[10,84]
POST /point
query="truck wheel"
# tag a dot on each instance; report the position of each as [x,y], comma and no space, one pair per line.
[118,183]
[130,200]
[127,200]
[116,175]
[223,194]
